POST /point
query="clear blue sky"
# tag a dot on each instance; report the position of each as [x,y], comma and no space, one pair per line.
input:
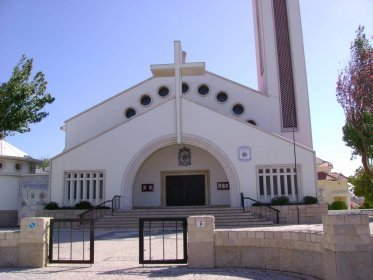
[90,50]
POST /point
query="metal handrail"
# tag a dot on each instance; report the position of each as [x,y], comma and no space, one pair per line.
[260,204]
[93,213]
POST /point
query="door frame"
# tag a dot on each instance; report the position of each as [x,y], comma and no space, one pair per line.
[164,174]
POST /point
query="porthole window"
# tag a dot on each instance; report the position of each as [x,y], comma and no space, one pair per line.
[184,88]
[203,90]
[130,112]
[145,100]
[163,91]
[1,165]
[17,166]
[251,122]
[238,109]
[222,97]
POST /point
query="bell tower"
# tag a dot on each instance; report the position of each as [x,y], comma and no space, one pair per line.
[281,67]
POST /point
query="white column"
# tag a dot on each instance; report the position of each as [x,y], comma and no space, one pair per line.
[177,61]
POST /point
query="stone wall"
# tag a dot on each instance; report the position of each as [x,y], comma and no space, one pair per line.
[287,250]
[9,248]
[340,250]
[27,247]
[60,214]
[347,247]
[308,214]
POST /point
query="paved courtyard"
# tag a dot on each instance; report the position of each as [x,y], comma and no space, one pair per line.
[116,257]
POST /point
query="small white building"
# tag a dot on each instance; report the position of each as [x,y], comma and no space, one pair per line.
[189,137]
[14,164]
[332,186]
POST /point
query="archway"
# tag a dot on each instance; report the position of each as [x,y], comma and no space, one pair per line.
[142,155]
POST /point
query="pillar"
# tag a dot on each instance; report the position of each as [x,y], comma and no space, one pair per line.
[347,247]
[201,246]
[34,240]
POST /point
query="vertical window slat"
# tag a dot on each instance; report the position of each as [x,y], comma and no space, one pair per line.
[277,181]
[85,185]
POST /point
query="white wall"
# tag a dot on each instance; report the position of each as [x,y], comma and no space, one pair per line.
[9,192]
[115,151]
[268,80]
[111,152]
[166,159]
[9,181]
[256,105]
[110,112]
[266,149]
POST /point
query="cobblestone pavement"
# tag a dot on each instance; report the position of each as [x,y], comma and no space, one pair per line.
[132,273]
[116,257]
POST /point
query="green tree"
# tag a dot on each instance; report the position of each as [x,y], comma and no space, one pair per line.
[22,99]
[44,164]
[363,184]
[355,94]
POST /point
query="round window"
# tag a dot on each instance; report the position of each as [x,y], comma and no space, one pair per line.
[145,100]
[222,97]
[1,165]
[238,109]
[251,122]
[184,88]
[203,90]
[130,112]
[163,91]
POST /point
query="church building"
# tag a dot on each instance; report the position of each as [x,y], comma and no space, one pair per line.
[189,137]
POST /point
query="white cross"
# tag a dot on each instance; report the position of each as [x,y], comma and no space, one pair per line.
[178,69]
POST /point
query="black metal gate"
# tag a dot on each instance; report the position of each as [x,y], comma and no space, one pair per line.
[71,241]
[163,240]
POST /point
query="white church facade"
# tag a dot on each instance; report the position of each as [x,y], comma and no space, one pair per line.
[189,137]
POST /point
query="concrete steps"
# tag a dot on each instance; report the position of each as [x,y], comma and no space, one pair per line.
[224,217]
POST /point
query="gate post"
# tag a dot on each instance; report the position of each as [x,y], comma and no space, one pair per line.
[347,247]
[201,247]
[33,242]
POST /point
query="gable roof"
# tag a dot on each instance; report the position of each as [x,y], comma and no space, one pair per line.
[333,176]
[7,150]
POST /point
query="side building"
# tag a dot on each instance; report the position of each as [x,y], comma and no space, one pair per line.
[16,170]
[332,186]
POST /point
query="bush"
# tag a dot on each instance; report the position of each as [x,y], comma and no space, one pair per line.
[309,200]
[51,206]
[338,205]
[102,207]
[280,200]
[83,205]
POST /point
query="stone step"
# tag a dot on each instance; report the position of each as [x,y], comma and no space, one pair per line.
[224,217]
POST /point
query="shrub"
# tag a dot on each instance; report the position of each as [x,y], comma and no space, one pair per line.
[51,206]
[309,200]
[102,207]
[83,205]
[338,205]
[280,200]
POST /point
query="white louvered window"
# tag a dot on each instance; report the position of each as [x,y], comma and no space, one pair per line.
[276,181]
[84,186]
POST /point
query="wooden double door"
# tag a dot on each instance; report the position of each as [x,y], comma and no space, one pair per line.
[185,189]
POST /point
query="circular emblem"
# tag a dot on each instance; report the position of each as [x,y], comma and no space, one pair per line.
[32,225]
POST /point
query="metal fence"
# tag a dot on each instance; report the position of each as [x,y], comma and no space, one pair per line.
[162,240]
[71,241]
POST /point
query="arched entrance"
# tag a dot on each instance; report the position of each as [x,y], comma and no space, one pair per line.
[145,179]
